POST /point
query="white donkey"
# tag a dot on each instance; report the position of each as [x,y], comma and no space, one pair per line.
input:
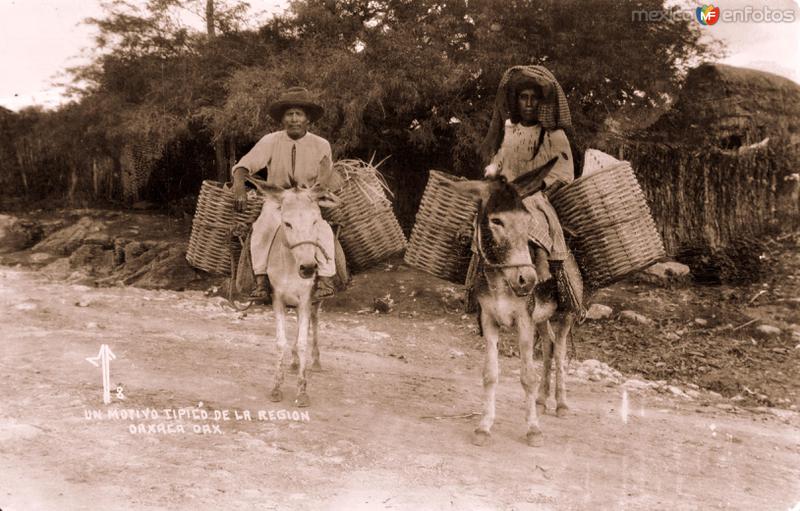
[292,272]
[510,295]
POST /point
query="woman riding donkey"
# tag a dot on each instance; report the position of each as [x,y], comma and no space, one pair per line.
[528,154]
[526,133]
[292,157]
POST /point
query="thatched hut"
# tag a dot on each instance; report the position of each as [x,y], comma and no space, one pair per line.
[731,107]
[720,166]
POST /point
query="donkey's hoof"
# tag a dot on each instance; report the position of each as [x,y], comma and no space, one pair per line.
[541,408]
[534,438]
[316,366]
[294,367]
[276,396]
[480,437]
[302,400]
[562,411]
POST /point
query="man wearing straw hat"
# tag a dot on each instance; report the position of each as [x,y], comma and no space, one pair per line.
[292,157]
[526,132]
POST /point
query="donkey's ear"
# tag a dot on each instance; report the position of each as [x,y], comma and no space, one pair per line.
[325,198]
[476,190]
[533,181]
[264,188]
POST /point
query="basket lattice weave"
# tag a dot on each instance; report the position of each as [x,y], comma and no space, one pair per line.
[370,231]
[442,234]
[613,232]
[213,224]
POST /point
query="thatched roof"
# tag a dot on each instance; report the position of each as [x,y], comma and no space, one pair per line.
[718,102]
[6,115]
[742,78]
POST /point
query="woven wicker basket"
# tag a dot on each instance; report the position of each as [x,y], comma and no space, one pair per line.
[213,224]
[595,160]
[370,231]
[442,235]
[613,232]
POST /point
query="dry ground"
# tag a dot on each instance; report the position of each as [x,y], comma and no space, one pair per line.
[386,429]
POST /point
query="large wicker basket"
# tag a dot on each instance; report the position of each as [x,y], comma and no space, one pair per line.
[442,234]
[370,232]
[213,225]
[612,232]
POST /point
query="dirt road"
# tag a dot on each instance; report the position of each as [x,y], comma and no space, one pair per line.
[380,433]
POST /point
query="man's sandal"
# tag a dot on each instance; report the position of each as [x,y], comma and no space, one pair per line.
[324,288]
[259,294]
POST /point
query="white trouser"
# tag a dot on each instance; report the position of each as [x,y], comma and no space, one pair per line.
[266,226]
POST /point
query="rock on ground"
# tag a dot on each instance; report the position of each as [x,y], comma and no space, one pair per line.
[635,317]
[150,265]
[677,391]
[665,274]
[17,234]
[594,370]
[60,268]
[67,240]
[103,259]
[134,249]
[92,258]
[768,331]
[169,270]
[599,311]
[451,297]
[40,257]
[638,385]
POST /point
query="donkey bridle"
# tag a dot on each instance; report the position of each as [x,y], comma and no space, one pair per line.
[488,265]
[311,242]
[495,266]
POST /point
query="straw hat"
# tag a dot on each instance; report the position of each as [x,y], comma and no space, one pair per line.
[296,97]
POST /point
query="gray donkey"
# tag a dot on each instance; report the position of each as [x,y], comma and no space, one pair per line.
[510,294]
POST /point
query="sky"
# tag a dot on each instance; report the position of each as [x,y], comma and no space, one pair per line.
[40,39]
[773,47]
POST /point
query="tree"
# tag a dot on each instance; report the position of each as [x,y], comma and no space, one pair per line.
[415,80]
[163,71]
[421,76]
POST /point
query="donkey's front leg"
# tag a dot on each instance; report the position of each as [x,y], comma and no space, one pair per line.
[545,333]
[315,308]
[314,334]
[280,336]
[564,327]
[529,378]
[295,358]
[303,321]
[491,373]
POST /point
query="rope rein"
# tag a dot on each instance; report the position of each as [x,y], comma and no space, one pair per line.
[312,242]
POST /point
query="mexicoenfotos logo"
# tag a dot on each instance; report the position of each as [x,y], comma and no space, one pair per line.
[707,14]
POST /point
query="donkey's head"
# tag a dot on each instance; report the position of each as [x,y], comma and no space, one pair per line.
[502,236]
[300,216]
